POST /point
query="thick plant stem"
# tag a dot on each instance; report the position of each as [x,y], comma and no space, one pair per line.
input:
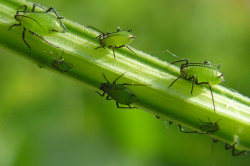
[175,103]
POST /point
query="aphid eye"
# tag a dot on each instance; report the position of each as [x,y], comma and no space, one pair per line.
[132,37]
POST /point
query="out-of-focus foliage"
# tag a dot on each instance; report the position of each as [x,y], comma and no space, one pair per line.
[46,119]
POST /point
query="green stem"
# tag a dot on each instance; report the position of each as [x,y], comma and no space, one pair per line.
[175,103]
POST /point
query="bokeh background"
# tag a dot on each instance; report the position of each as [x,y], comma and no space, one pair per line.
[47,119]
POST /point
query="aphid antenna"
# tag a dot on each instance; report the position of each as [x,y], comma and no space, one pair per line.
[217,120]
[105,78]
[186,60]
[61,57]
[174,54]
[118,77]
[94,28]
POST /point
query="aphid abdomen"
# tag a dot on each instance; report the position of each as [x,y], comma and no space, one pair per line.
[41,23]
[204,74]
[121,94]
[116,40]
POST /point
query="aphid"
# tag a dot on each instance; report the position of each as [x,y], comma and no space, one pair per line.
[118,92]
[227,146]
[39,23]
[61,65]
[200,73]
[115,40]
[209,127]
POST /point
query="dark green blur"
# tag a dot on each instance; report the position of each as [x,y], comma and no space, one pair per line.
[50,120]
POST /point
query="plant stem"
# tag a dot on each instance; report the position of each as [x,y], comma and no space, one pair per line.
[175,103]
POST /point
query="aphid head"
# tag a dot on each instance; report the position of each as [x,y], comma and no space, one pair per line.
[131,37]
[182,69]
[221,78]
[104,86]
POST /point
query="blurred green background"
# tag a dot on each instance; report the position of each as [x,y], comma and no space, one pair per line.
[47,119]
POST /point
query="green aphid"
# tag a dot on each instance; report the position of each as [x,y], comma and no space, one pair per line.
[118,92]
[115,40]
[39,23]
[200,73]
[61,65]
[209,127]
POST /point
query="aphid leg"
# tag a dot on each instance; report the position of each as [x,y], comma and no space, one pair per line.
[127,48]
[54,10]
[182,130]
[194,80]
[129,107]
[174,81]
[105,77]
[227,146]
[33,33]
[109,98]
[101,94]
[215,140]
[100,47]
[25,9]
[130,49]
[207,83]
[24,29]
[38,5]
[99,36]
[180,61]
[205,122]
[118,78]
[219,66]
[94,28]
[14,25]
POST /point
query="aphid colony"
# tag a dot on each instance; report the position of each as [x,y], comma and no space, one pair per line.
[42,23]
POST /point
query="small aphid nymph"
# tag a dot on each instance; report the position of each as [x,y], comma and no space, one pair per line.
[61,65]
[206,128]
[115,40]
[209,127]
[39,23]
[200,74]
[118,92]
